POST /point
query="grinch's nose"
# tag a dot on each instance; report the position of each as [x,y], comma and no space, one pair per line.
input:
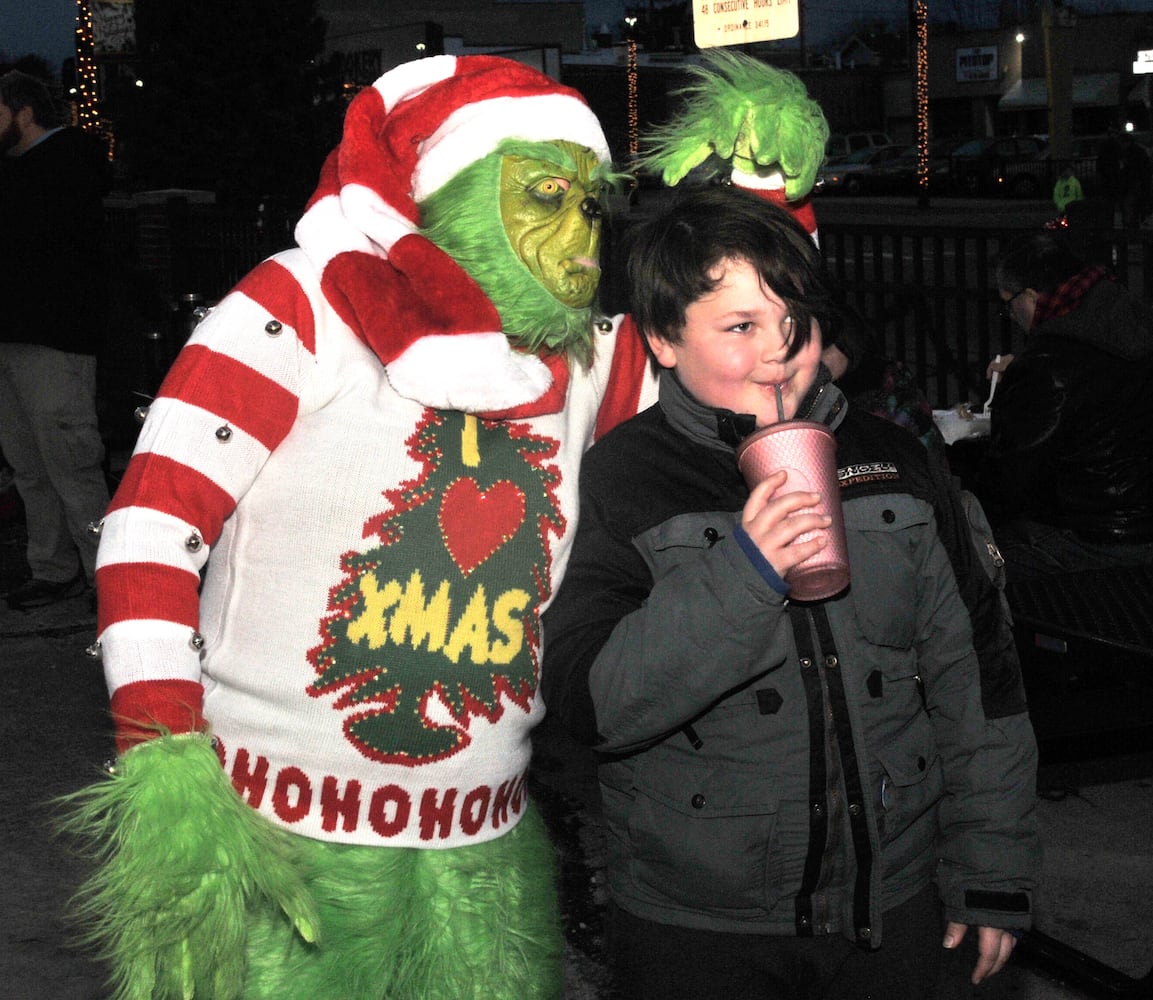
[591,208]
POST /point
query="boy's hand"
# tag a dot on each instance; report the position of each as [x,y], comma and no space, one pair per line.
[774,521]
[994,947]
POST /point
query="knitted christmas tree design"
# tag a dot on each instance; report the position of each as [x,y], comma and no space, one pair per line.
[437,625]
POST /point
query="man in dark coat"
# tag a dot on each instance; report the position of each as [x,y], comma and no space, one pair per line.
[53,286]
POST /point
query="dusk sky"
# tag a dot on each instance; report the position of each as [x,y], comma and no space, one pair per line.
[45,27]
[41,27]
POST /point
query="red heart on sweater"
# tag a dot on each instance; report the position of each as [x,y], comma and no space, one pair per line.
[475,523]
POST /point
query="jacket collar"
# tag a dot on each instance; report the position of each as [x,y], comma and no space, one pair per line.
[723,430]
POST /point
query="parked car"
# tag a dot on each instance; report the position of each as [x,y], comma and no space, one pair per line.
[855,173]
[844,144]
[1000,165]
[899,175]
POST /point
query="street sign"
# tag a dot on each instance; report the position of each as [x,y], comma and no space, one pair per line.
[735,22]
[1142,64]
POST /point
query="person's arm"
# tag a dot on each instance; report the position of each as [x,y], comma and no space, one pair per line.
[230,398]
[160,883]
[1026,435]
[629,658]
[989,853]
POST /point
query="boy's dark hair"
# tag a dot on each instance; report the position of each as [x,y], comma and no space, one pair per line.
[671,258]
[20,90]
[1042,261]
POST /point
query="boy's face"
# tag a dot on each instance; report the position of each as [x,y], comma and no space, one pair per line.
[733,346]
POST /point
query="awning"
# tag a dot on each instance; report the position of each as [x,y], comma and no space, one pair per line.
[1090,90]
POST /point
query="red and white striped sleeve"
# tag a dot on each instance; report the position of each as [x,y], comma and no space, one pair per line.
[228,401]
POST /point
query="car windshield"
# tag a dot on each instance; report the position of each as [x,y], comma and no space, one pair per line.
[943,147]
[863,155]
[973,148]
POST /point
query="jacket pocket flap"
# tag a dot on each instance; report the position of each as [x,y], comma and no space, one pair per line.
[887,512]
[906,765]
[692,531]
[708,791]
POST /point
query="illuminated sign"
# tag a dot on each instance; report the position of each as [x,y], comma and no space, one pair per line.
[977,64]
[735,22]
[1144,61]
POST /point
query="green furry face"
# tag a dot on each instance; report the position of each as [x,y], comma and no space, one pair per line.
[534,267]
[551,223]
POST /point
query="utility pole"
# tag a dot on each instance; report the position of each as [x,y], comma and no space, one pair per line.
[1057,23]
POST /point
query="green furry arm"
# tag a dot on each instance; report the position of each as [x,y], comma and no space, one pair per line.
[757,117]
[181,857]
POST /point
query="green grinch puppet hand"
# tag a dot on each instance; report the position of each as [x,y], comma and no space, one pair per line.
[181,858]
[758,119]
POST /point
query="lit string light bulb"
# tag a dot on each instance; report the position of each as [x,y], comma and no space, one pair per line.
[87,110]
[921,18]
[634,116]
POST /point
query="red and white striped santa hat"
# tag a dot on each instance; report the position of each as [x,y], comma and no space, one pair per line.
[422,123]
[404,138]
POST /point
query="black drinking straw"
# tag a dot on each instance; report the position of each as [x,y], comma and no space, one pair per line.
[780,403]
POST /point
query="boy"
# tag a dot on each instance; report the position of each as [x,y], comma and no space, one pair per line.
[782,782]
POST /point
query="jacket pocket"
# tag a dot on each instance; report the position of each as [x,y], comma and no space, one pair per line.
[667,545]
[703,836]
[911,784]
[883,535]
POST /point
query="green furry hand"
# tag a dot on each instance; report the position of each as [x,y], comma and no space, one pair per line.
[181,857]
[757,118]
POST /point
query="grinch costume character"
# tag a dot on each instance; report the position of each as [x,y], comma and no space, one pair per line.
[321,579]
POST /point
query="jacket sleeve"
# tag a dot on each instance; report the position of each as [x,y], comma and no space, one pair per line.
[989,855]
[624,641]
[1025,435]
[230,398]
[1002,688]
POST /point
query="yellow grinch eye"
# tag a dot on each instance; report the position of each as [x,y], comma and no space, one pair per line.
[552,187]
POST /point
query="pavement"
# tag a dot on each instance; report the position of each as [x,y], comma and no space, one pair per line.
[1096,815]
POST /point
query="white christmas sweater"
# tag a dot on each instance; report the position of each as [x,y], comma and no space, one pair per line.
[365,643]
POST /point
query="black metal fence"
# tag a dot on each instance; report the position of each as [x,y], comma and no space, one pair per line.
[929,295]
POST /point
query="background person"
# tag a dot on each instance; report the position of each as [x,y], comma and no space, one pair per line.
[782,783]
[52,283]
[1068,479]
[1066,190]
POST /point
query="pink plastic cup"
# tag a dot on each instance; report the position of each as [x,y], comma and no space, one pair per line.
[808,452]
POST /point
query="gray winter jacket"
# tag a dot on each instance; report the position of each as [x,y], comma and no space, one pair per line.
[776,767]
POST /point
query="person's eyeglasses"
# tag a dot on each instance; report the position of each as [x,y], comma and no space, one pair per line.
[1007,305]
